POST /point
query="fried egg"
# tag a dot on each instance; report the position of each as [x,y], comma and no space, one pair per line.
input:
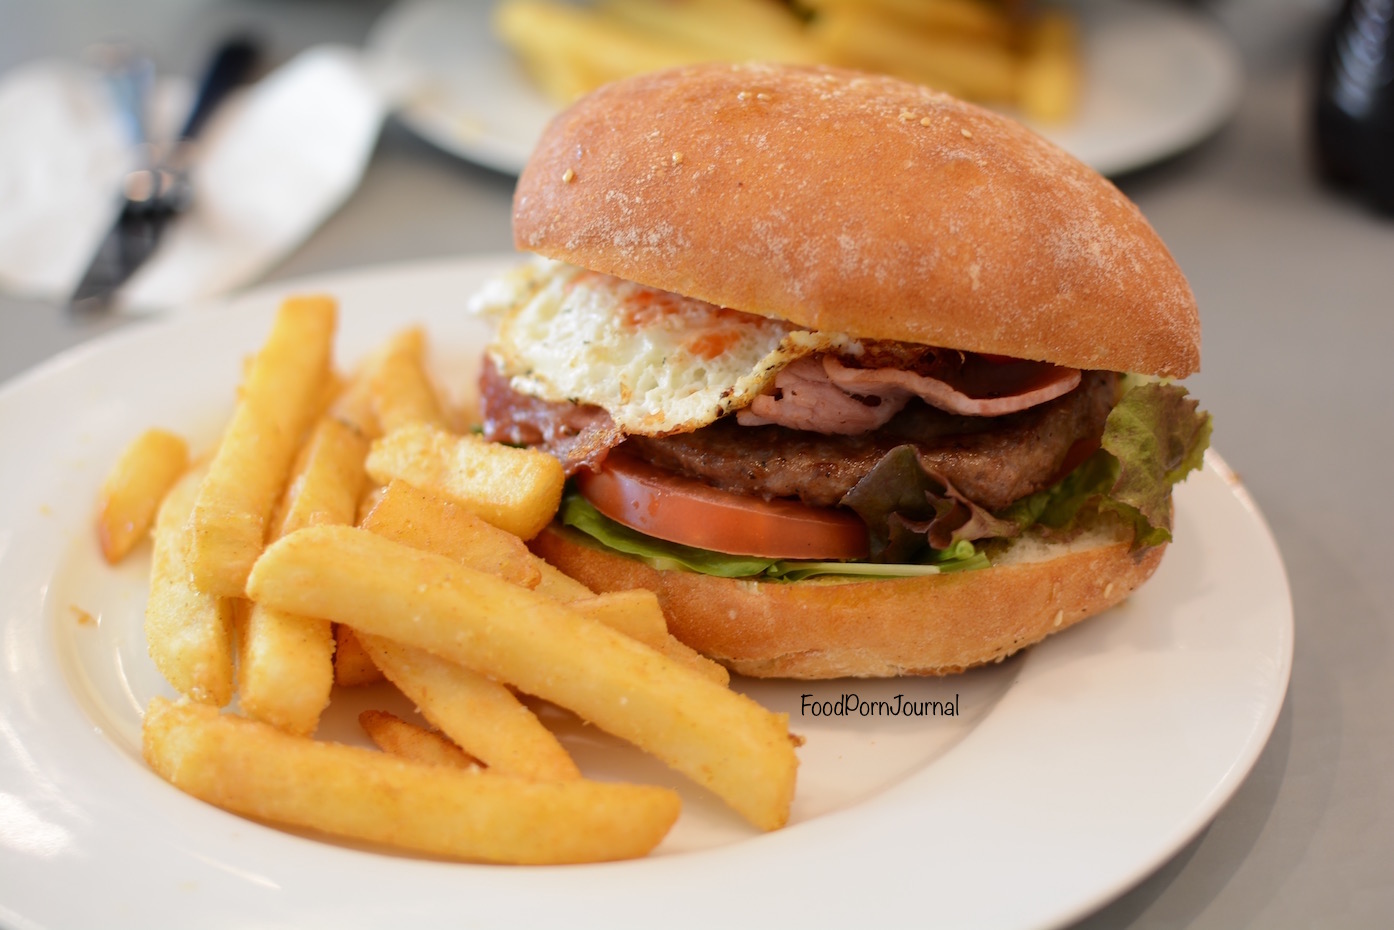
[657,362]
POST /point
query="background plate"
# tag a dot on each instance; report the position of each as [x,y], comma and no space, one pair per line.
[1159,78]
[1072,771]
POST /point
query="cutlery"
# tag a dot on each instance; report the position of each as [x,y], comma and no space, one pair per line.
[159,189]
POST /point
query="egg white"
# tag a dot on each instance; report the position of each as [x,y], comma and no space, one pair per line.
[657,362]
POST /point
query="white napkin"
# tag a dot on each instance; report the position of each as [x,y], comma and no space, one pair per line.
[271,166]
[62,156]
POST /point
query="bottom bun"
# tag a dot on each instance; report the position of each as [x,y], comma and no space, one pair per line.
[827,628]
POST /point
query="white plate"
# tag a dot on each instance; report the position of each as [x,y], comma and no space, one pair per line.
[1071,772]
[1159,78]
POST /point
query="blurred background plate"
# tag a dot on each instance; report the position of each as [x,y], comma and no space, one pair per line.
[1159,78]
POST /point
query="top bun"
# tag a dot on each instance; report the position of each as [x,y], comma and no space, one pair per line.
[862,204]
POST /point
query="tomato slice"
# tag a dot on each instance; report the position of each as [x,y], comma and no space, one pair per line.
[681,510]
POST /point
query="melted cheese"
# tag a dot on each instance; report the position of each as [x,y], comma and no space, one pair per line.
[657,362]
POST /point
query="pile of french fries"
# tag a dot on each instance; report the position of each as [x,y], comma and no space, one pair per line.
[342,532]
[990,51]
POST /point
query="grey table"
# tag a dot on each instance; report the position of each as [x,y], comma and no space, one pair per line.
[1296,289]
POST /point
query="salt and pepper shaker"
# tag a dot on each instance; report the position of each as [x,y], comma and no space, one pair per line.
[1354,118]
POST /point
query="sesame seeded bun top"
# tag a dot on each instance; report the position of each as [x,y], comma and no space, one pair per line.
[861,204]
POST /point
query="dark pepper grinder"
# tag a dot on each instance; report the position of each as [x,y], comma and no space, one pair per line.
[1355,102]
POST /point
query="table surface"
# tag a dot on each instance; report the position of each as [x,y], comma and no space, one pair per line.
[1295,288]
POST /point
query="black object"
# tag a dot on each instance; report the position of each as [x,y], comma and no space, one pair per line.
[1354,145]
[231,64]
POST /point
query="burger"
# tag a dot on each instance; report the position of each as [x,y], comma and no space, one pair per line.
[861,379]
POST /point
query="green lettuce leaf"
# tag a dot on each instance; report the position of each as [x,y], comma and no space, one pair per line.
[1159,436]
[1153,438]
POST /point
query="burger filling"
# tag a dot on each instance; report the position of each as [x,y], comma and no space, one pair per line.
[932,456]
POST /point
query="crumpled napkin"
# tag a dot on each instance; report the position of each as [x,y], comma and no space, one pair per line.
[274,163]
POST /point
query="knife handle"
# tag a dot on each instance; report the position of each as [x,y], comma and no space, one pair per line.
[230,66]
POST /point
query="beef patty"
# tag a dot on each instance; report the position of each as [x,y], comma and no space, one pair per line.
[991,460]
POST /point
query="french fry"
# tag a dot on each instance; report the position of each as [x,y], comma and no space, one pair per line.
[327,481]
[734,30]
[330,391]
[277,402]
[394,735]
[353,406]
[478,713]
[400,390]
[679,651]
[285,667]
[187,631]
[254,769]
[561,78]
[352,664]
[131,493]
[966,18]
[966,68]
[409,515]
[483,717]
[637,614]
[1050,76]
[979,49]
[560,586]
[596,49]
[517,490]
[735,747]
